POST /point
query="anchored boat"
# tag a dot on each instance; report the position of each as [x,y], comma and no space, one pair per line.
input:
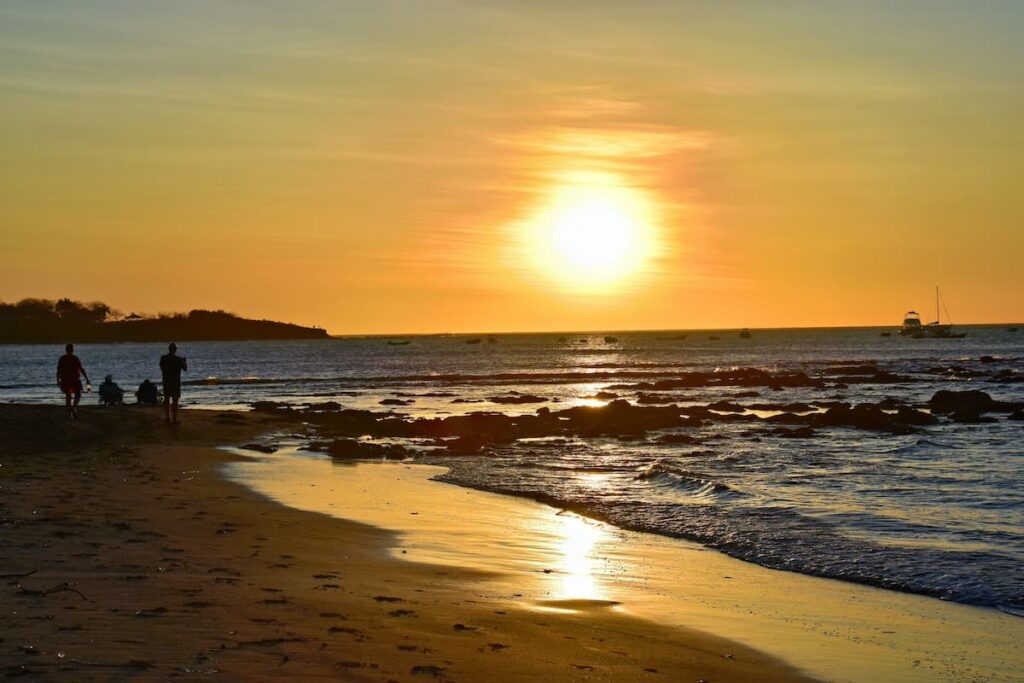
[912,326]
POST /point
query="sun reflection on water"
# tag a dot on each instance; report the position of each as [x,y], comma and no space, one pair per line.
[578,566]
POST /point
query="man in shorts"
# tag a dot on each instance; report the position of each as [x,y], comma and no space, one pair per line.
[69,379]
[171,365]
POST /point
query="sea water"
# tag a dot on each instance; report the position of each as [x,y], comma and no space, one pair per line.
[939,511]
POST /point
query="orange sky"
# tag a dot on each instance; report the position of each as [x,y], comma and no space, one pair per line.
[401,166]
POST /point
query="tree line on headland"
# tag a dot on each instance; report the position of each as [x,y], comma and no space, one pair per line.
[43,321]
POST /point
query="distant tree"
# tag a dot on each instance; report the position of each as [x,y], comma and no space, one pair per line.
[35,308]
[76,311]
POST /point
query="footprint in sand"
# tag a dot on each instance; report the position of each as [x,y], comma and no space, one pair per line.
[387,598]
[273,601]
[427,670]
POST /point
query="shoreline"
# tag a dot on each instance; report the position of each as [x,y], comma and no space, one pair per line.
[832,629]
[137,560]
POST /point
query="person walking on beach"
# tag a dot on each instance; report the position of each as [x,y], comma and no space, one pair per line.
[171,365]
[69,374]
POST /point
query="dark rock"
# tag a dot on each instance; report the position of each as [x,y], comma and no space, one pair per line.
[726,407]
[987,359]
[353,449]
[863,415]
[967,416]
[326,405]
[909,416]
[260,447]
[269,406]
[604,396]
[654,399]
[832,404]
[1016,415]
[517,399]
[396,402]
[969,402]
[618,417]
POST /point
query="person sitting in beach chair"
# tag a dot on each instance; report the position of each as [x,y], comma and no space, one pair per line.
[147,394]
[110,393]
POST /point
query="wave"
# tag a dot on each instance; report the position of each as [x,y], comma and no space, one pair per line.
[665,473]
[918,444]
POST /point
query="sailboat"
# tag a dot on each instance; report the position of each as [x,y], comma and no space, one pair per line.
[912,326]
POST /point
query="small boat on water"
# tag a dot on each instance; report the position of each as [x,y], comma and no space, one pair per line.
[392,342]
[611,340]
[912,326]
[744,333]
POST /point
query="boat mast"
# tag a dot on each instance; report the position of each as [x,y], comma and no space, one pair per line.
[937,318]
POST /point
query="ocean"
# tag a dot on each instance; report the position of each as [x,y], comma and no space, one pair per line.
[938,510]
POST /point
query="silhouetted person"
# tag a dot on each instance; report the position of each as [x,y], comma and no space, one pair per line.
[171,365]
[69,374]
[147,394]
[110,393]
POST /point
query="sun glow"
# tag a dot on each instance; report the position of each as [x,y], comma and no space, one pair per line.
[593,231]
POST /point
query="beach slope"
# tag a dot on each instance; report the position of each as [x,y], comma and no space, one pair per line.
[126,556]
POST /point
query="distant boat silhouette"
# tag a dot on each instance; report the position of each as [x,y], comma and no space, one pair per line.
[913,328]
[610,340]
[744,333]
[392,342]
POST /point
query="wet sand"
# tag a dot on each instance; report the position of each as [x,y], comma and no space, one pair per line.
[543,558]
[126,556]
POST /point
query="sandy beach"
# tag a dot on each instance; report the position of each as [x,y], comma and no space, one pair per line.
[127,557]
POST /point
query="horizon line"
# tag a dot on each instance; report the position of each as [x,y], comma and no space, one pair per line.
[610,331]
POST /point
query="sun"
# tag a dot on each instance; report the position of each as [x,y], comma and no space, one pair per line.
[592,232]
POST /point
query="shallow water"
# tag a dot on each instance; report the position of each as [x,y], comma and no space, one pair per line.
[536,557]
[939,512]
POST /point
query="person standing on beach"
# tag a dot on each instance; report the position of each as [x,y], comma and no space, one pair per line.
[69,374]
[171,365]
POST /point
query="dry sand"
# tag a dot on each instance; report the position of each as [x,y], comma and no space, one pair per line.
[126,557]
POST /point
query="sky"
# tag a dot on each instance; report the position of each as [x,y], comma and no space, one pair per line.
[415,166]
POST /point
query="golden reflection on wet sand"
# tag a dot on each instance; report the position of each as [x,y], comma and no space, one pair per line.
[538,557]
